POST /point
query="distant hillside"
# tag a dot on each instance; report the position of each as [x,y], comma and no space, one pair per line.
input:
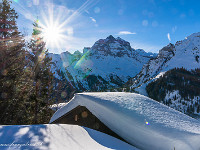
[184,54]
[179,89]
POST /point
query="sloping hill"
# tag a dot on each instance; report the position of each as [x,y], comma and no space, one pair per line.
[179,89]
[184,54]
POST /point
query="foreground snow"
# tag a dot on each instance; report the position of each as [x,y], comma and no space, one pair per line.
[57,137]
[140,120]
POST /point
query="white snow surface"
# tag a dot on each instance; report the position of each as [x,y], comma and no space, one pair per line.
[140,120]
[98,65]
[179,103]
[142,89]
[108,57]
[55,107]
[57,137]
[184,54]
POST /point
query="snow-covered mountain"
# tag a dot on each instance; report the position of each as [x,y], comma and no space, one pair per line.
[108,63]
[179,89]
[176,88]
[184,54]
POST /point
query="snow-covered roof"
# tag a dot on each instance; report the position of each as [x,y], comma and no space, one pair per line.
[57,137]
[140,120]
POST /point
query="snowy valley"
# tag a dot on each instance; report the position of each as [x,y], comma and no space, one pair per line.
[172,78]
[99,75]
[112,65]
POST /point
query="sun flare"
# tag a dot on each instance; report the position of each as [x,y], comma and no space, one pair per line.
[52,35]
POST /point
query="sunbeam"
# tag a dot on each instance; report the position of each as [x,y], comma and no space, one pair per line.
[57,22]
[52,34]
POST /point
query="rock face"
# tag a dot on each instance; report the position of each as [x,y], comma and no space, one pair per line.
[167,51]
[112,47]
[184,54]
[109,63]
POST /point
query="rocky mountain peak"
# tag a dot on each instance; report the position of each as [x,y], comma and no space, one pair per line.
[110,37]
[110,40]
[167,50]
[189,44]
[116,47]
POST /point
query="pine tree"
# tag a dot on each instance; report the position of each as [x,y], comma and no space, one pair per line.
[42,77]
[12,63]
[198,107]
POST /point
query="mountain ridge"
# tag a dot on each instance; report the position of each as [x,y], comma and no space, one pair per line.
[177,55]
[109,63]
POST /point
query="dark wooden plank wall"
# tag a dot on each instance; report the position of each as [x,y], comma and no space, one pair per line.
[83,117]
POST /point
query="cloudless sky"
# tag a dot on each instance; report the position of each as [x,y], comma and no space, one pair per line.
[146,24]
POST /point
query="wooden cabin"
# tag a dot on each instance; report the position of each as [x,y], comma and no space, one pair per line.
[83,117]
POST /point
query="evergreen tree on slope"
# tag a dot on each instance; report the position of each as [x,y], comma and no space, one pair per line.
[41,95]
[12,62]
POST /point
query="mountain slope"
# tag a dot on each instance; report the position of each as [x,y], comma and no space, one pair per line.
[179,89]
[184,54]
[108,63]
[173,76]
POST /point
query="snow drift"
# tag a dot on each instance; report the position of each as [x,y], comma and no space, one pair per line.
[57,137]
[140,120]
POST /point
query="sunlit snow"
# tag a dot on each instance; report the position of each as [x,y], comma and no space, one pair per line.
[140,120]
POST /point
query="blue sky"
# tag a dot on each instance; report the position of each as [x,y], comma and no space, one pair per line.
[146,24]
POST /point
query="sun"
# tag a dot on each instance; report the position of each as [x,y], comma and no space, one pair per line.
[52,35]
